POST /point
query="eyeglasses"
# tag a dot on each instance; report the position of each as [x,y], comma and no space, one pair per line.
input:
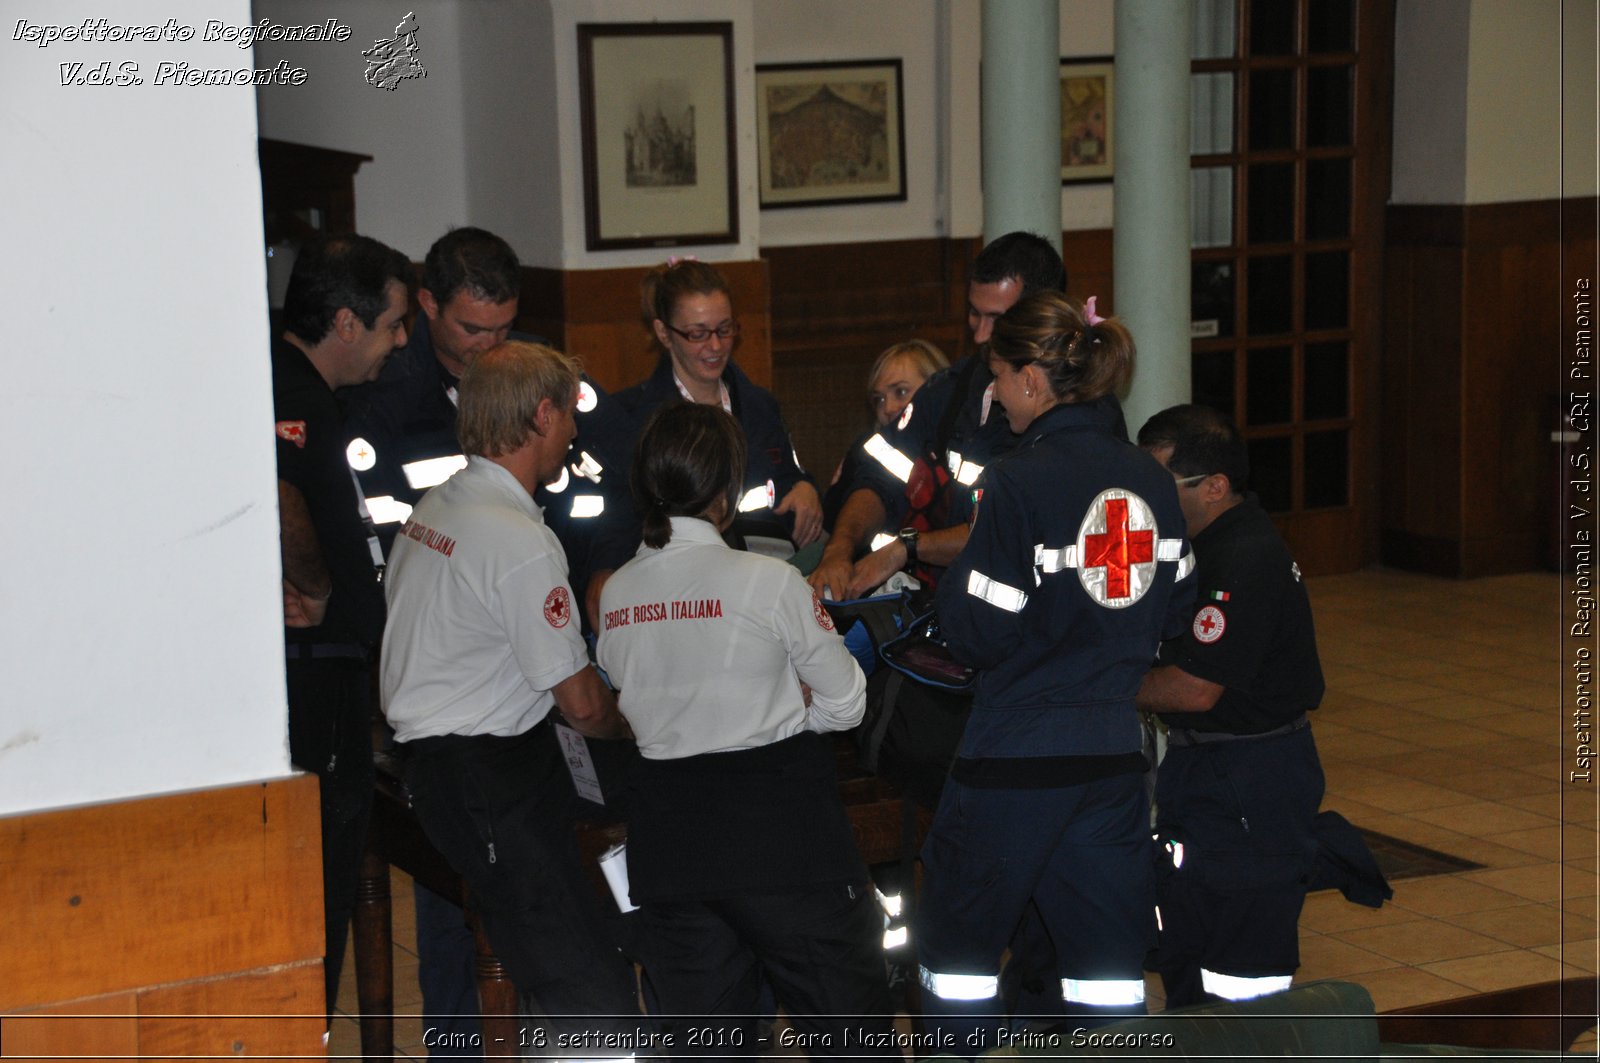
[1190,481]
[700,334]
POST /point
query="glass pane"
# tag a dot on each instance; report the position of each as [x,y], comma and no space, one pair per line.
[1327,469]
[1211,114]
[1270,472]
[1272,27]
[1327,199]
[1211,302]
[1212,381]
[1211,206]
[1269,386]
[1327,290]
[1326,391]
[1271,203]
[1270,295]
[1271,109]
[1214,31]
[1330,26]
[1328,106]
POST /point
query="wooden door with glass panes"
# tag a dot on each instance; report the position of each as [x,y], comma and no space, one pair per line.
[1290,115]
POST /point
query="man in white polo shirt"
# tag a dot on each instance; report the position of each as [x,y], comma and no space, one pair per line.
[482,642]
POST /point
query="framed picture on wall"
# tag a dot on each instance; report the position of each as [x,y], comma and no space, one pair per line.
[658,134]
[830,133]
[1087,110]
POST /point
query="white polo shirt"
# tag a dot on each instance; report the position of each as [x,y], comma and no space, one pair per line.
[709,645]
[481,618]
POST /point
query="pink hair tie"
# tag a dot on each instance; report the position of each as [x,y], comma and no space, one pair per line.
[673,260]
[1089,315]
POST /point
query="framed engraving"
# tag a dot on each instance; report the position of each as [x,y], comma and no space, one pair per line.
[658,134]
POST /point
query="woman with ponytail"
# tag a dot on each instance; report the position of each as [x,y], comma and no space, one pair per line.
[739,850]
[1075,570]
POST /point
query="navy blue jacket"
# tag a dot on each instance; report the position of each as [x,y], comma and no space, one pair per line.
[408,414]
[1077,567]
[771,454]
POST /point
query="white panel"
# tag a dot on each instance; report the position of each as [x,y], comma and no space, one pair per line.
[140,608]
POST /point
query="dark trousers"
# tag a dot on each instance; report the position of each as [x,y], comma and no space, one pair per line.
[820,949]
[1080,854]
[330,705]
[447,964]
[498,809]
[1244,813]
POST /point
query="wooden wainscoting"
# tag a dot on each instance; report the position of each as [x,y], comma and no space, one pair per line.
[180,925]
[836,306]
[1476,309]
[596,315]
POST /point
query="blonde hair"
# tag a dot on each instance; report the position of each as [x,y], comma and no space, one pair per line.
[1081,361]
[501,392]
[928,359]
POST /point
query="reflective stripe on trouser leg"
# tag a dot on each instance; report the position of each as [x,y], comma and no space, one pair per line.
[1103,992]
[964,987]
[1233,987]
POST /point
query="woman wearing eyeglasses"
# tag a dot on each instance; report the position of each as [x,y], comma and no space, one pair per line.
[688,307]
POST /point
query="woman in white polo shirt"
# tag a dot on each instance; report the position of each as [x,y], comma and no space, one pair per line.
[739,850]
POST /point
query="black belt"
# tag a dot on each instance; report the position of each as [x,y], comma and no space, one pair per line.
[1182,737]
[316,651]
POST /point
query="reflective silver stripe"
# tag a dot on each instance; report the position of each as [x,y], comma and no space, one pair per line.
[430,472]
[1055,560]
[1103,992]
[588,505]
[953,459]
[894,937]
[960,986]
[892,904]
[1232,987]
[968,473]
[756,498]
[1185,566]
[881,540]
[385,510]
[587,467]
[898,464]
[561,482]
[1168,549]
[996,593]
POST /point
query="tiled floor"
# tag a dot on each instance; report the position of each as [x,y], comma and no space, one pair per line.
[1447,723]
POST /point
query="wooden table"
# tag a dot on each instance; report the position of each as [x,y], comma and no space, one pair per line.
[879,816]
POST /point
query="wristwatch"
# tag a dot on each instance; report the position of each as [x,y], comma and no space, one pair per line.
[908,539]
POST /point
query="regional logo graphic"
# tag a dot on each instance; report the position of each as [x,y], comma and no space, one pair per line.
[391,61]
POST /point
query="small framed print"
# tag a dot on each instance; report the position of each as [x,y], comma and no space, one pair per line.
[1087,127]
[830,133]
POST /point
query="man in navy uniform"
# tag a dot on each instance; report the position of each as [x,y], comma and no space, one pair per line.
[344,313]
[950,424]
[1238,791]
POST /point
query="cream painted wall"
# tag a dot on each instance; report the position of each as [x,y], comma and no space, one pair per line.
[1514,81]
[1580,91]
[1430,102]
[140,602]
[1494,100]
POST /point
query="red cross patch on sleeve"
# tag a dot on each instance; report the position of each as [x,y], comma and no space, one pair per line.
[1209,624]
[824,621]
[558,607]
[293,431]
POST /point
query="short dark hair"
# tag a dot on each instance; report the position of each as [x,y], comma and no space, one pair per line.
[473,260]
[688,456]
[1025,256]
[336,272]
[1203,442]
